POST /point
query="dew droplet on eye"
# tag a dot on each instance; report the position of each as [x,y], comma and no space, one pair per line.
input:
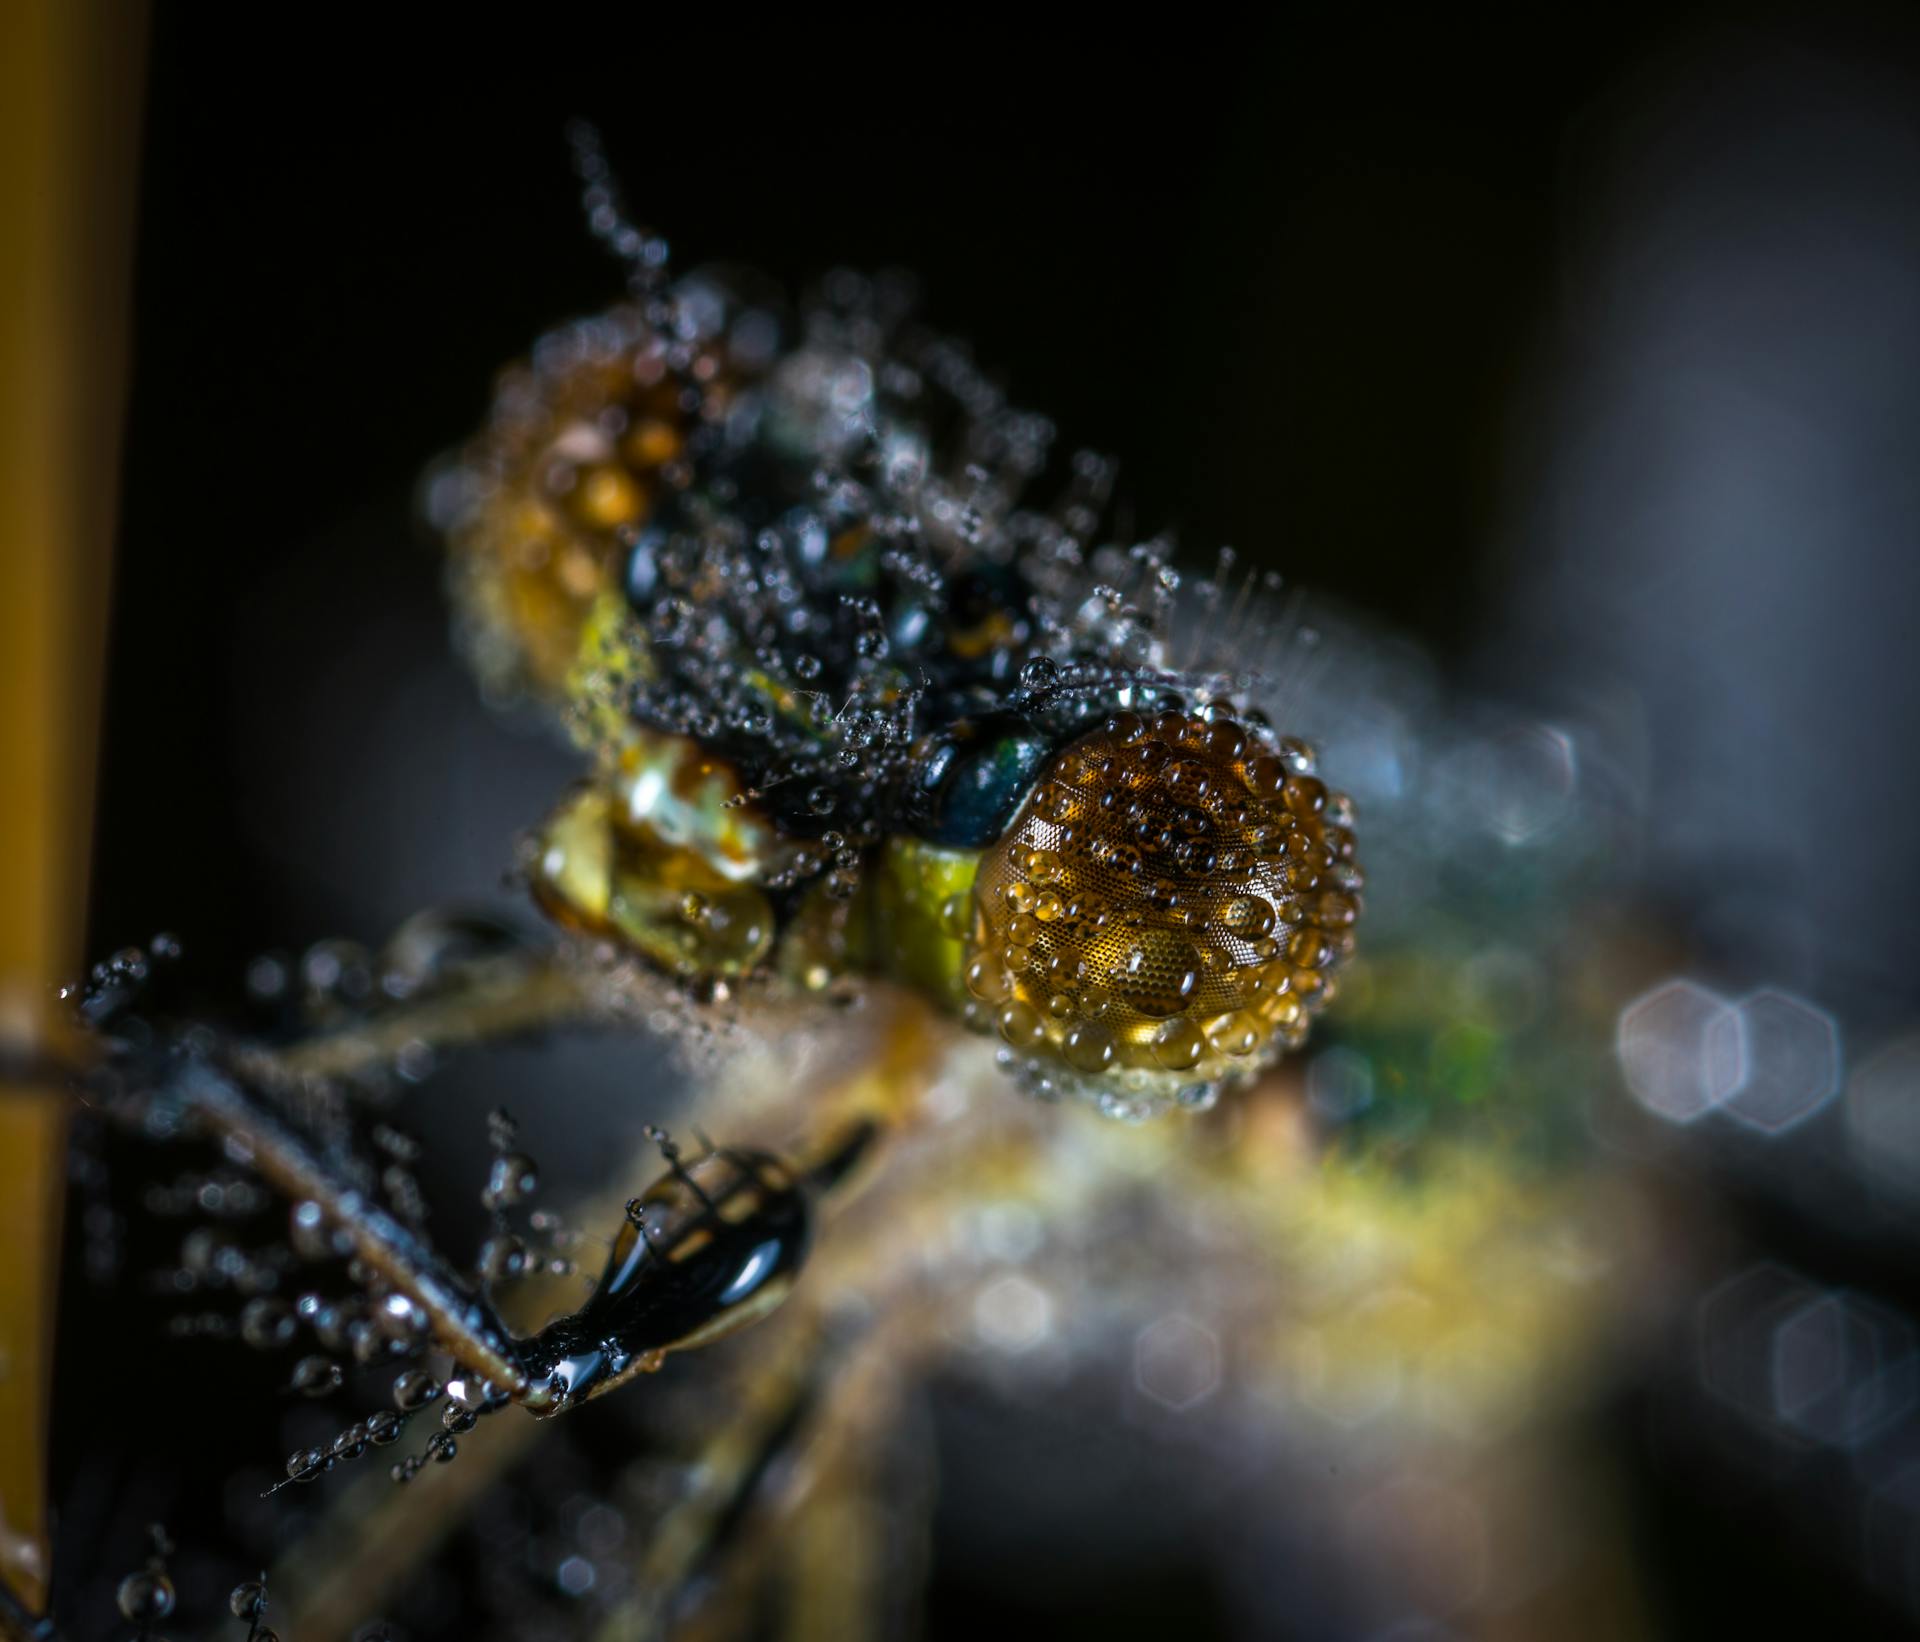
[1248,916]
[1157,974]
[1089,1046]
[1266,775]
[1237,1035]
[1332,910]
[1021,1026]
[1178,1044]
[1309,949]
[1225,740]
[987,980]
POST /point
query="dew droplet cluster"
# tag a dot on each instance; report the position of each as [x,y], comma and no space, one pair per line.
[1166,910]
[791,577]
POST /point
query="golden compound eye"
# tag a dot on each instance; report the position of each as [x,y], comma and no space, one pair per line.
[1163,915]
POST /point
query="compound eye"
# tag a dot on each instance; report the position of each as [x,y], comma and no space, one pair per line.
[1163,914]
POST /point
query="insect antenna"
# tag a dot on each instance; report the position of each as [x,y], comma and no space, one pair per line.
[643,251]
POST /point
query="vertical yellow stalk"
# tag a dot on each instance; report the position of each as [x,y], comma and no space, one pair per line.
[70,78]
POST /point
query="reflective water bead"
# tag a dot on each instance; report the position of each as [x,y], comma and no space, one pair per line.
[145,1598]
[1298,754]
[1178,1044]
[1331,910]
[1309,949]
[1088,1046]
[304,1464]
[1020,1025]
[502,1258]
[1237,1035]
[1158,974]
[415,1388]
[267,1324]
[1266,775]
[511,1178]
[1225,739]
[988,980]
[1248,916]
[316,1376]
[1305,794]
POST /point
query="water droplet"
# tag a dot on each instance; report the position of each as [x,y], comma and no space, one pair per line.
[1089,1047]
[1020,1025]
[987,980]
[1158,974]
[304,1464]
[145,1598]
[1248,916]
[502,1258]
[511,1178]
[266,1324]
[415,1388]
[316,1376]
[1178,1044]
[1266,775]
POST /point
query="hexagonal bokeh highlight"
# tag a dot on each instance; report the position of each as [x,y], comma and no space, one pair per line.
[1792,1062]
[1681,1050]
[1013,1313]
[1524,780]
[1176,1362]
[1735,1323]
[1883,1116]
[1843,1369]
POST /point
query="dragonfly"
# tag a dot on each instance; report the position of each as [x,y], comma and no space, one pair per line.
[1026,838]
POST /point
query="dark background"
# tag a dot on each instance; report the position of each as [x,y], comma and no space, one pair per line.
[1305,277]
[1293,278]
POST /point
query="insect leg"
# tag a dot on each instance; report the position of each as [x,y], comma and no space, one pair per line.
[460,1320]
